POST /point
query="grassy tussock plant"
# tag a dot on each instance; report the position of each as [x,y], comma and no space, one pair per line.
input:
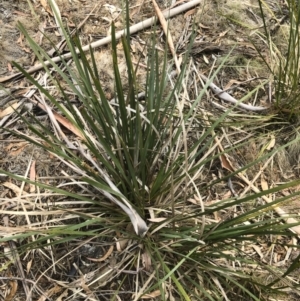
[285,63]
[140,185]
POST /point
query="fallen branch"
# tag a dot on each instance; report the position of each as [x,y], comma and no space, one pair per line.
[226,97]
[132,30]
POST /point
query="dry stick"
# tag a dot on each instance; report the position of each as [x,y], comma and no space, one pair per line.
[17,261]
[132,30]
[226,97]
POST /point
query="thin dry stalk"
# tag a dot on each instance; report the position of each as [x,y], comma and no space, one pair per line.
[17,262]
[226,97]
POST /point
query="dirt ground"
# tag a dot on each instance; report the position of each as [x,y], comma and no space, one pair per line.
[222,26]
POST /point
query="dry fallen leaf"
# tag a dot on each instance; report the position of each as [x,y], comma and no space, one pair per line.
[203,26]
[146,260]
[20,40]
[190,12]
[9,67]
[63,295]
[258,251]
[157,219]
[28,266]
[65,122]
[14,149]
[108,253]
[151,295]
[271,143]
[263,183]
[121,244]
[12,291]
[222,34]
[193,201]
[10,109]
[44,4]
[225,163]
[231,83]
[17,190]
[32,176]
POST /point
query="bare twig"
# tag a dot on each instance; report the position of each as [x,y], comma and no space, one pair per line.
[227,97]
[17,261]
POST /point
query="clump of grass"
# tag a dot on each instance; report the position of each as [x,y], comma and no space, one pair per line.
[285,64]
[143,164]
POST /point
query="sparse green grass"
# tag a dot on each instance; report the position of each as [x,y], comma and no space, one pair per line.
[153,163]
